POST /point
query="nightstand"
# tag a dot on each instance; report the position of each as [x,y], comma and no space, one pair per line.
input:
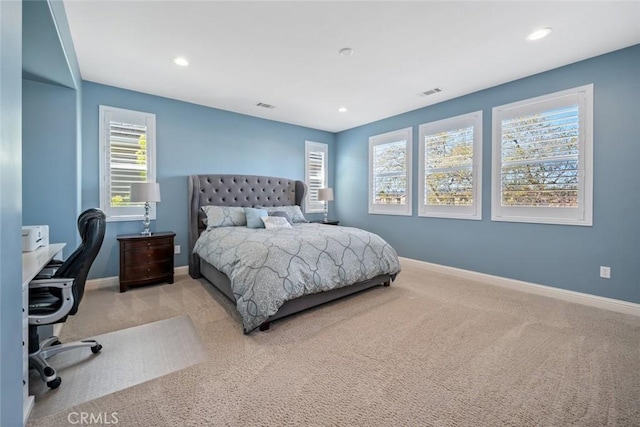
[145,259]
[329,222]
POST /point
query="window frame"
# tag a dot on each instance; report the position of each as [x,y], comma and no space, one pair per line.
[405,209]
[310,205]
[582,214]
[106,115]
[473,212]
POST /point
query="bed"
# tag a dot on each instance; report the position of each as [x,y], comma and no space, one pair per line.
[374,259]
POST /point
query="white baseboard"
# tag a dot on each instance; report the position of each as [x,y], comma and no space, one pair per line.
[533,288]
[114,282]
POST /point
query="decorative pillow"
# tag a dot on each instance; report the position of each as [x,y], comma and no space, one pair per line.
[271,222]
[282,214]
[224,216]
[294,212]
[254,217]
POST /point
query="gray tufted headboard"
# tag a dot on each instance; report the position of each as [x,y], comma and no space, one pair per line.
[235,190]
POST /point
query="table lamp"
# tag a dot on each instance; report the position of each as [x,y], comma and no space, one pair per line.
[325,195]
[147,192]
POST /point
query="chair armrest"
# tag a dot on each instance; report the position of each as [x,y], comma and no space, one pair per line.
[67,300]
[59,282]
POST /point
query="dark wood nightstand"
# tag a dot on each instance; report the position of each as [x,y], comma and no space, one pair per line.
[146,259]
[328,222]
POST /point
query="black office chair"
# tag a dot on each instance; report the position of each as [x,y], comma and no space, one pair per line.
[51,300]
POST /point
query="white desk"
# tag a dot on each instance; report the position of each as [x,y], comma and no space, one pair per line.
[32,263]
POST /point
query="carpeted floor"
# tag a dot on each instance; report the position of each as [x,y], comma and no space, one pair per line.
[429,350]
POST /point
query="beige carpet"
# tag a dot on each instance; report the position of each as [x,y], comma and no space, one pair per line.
[429,350]
[129,357]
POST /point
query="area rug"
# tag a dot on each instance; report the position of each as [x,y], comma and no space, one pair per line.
[130,356]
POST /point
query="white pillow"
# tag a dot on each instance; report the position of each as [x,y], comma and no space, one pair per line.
[271,222]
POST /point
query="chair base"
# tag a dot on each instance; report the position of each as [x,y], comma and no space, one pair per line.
[50,347]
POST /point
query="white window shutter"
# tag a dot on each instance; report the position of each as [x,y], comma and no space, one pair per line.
[316,174]
[127,151]
[543,159]
[450,175]
[390,173]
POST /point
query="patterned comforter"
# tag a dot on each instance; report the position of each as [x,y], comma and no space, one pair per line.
[269,267]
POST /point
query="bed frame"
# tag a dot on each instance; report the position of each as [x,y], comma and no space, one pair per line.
[253,191]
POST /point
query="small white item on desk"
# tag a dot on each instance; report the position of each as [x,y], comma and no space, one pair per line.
[34,236]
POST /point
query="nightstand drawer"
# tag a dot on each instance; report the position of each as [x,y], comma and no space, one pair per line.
[147,271]
[148,244]
[144,256]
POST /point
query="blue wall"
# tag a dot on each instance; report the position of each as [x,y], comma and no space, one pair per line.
[49,158]
[191,139]
[566,257]
[51,122]
[10,213]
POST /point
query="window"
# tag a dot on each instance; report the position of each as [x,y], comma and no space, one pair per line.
[316,174]
[127,155]
[390,173]
[542,159]
[451,167]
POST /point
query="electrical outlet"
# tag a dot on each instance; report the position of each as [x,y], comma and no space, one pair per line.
[176,249]
[605,272]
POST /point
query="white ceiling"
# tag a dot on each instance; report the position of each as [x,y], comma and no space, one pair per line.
[286,53]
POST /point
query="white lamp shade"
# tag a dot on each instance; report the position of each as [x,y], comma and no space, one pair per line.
[325,194]
[145,192]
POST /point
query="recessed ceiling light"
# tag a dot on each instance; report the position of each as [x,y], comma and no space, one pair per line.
[180,61]
[539,34]
[346,51]
[342,109]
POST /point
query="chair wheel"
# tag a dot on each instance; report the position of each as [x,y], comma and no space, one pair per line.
[54,383]
[96,348]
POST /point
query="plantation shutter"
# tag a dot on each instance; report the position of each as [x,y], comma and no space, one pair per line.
[450,176]
[127,155]
[540,158]
[390,172]
[543,159]
[127,159]
[449,167]
[316,174]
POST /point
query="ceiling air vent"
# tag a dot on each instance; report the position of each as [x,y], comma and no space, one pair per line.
[432,91]
[263,105]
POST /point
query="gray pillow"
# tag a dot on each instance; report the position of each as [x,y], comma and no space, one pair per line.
[294,212]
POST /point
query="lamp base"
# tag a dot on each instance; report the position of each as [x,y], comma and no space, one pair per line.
[146,222]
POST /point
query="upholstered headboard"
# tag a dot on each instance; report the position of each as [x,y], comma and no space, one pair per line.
[235,190]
